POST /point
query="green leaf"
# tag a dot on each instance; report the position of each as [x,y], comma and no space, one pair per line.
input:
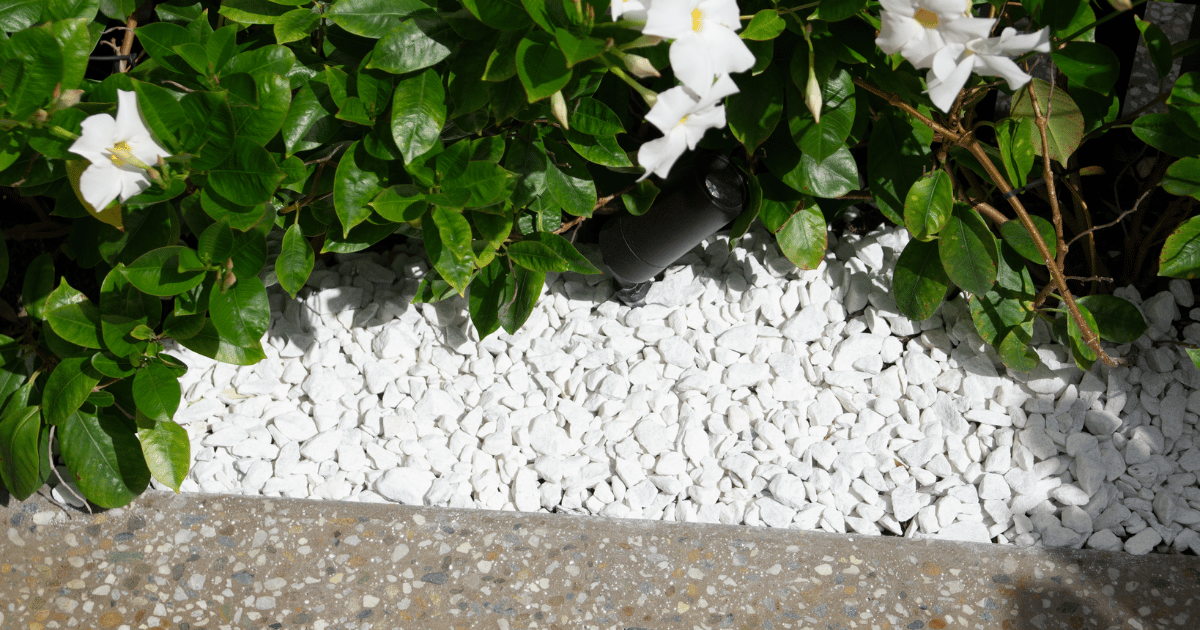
[1161,132]
[1183,178]
[212,117]
[765,24]
[400,204]
[295,25]
[928,204]
[994,315]
[1094,66]
[122,309]
[1084,355]
[182,326]
[432,289]
[215,243]
[485,181]
[295,262]
[38,284]
[594,118]
[358,180]
[1064,128]
[1015,235]
[418,113]
[238,217]
[1184,103]
[639,200]
[250,250]
[262,122]
[896,155]
[1180,256]
[164,116]
[1117,319]
[754,111]
[372,18]
[156,391]
[252,11]
[541,66]
[1015,352]
[454,269]
[168,452]
[571,189]
[105,458]
[838,10]
[72,34]
[157,273]
[504,15]
[209,343]
[414,44]
[819,140]
[831,177]
[484,300]
[920,283]
[18,15]
[799,229]
[602,150]
[1157,45]
[248,177]
[242,313]
[77,321]
[67,388]
[20,459]
[968,251]
[33,65]
[522,288]
[454,231]
[577,49]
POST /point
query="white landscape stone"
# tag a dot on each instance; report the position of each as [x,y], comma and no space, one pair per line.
[745,391]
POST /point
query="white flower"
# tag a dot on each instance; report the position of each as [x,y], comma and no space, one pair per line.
[120,151]
[706,45]
[683,116]
[631,9]
[918,29]
[952,66]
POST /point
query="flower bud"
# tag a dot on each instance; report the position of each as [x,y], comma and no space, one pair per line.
[812,95]
[643,41]
[69,98]
[558,106]
[1121,5]
[640,67]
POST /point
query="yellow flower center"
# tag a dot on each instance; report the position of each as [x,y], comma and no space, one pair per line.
[121,154]
[682,122]
[927,18]
[697,20]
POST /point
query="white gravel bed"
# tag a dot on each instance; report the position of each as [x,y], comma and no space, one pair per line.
[745,392]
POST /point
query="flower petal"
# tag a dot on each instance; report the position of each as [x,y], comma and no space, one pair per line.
[658,156]
[700,122]
[133,183]
[1014,45]
[998,66]
[129,119]
[947,8]
[898,7]
[692,64]
[943,92]
[727,51]
[97,133]
[895,31]
[670,108]
[669,18]
[99,184]
[721,12]
[147,150]
[724,86]
[964,30]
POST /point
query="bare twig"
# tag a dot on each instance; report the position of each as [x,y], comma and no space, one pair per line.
[1114,221]
[1042,120]
[182,87]
[127,45]
[895,101]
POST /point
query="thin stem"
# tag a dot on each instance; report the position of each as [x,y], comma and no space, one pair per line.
[127,45]
[1115,221]
[648,95]
[895,101]
[1047,172]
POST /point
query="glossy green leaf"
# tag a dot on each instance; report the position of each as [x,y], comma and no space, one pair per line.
[156,391]
[1117,319]
[209,343]
[215,243]
[1161,132]
[505,15]
[358,181]
[572,190]
[1094,66]
[418,113]
[593,117]
[67,388]
[33,65]
[799,229]
[765,24]
[522,288]
[755,110]
[639,200]
[400,204]
[182,326]
[485,181]
[262,122]
[541,66]
[248,177]
[1064,128]
[295,262]
[76,320]
[157,273]
[212,117]
[1015,352]
[455,270]
[250,250]
[1184,103]
[412,45]
[168,452]
[372,18]
[105,458]
[38,284]
[897,153]
[1180,256]
[968,251]
[920,283]
[241,314]
[1084,355]
[1183,178]
[295,25]
[17,15]
[820,140]
[20,460]
[928,204]
[831,177]
[484,299]
[252,11]
[1018,237]
[994,315]
[454,231]
[837,10]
